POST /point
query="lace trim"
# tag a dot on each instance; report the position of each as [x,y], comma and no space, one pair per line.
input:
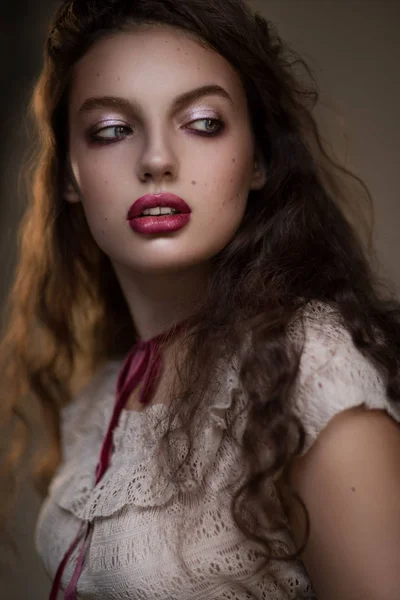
[134,477]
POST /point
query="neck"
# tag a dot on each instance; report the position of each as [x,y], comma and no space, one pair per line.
[158,301]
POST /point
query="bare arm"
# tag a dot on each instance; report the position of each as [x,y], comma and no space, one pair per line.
[350,483]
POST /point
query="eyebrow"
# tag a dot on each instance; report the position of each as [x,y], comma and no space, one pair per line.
[179,103]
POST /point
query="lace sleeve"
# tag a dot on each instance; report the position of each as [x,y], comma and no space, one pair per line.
[334,375]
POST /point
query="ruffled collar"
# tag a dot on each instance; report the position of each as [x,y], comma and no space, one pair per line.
[134,476]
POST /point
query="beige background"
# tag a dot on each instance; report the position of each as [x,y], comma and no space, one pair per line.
[354,48]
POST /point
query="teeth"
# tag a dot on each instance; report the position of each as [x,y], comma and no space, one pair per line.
[165,210]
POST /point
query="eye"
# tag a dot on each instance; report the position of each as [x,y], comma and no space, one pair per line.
[208,126]
[112,133]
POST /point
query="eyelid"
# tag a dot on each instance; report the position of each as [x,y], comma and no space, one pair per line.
[107,123]
[203,113]
[189,112]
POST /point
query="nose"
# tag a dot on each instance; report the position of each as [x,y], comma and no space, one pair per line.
[157,161]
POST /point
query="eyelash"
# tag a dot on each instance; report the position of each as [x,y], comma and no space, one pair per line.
[94,137]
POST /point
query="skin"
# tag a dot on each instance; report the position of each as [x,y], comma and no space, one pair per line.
[158,150]
[349,481]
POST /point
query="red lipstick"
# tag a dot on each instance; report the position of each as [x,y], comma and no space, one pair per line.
[152,224]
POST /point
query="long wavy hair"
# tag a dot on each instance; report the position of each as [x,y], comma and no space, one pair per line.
[296,244]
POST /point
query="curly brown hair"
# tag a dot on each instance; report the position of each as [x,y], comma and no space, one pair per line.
[295,245]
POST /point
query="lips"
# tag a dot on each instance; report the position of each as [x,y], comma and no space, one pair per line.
[155,200]
[162,224]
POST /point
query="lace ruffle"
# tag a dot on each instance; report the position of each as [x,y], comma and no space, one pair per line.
[135,477]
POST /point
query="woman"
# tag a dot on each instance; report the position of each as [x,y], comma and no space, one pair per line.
[186,254]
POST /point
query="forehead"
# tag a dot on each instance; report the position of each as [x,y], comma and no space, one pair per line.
[157,60]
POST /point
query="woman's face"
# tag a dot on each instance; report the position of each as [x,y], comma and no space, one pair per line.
[146,141]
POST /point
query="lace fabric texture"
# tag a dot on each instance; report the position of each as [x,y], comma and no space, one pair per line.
[157,538]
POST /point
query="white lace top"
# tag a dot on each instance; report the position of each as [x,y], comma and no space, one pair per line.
[141,520]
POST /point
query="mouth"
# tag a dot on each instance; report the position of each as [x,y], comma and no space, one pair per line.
[158,205]
[158,214]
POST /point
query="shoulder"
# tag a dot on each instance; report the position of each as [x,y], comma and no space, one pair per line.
[348,475]
[334,375]
[99,385]
[88,410]
[349,481]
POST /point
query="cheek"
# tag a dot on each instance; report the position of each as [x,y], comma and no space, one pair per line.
[94,182]
[232,186]
[99,204]
[225,211]
[100,173]
[102,192]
